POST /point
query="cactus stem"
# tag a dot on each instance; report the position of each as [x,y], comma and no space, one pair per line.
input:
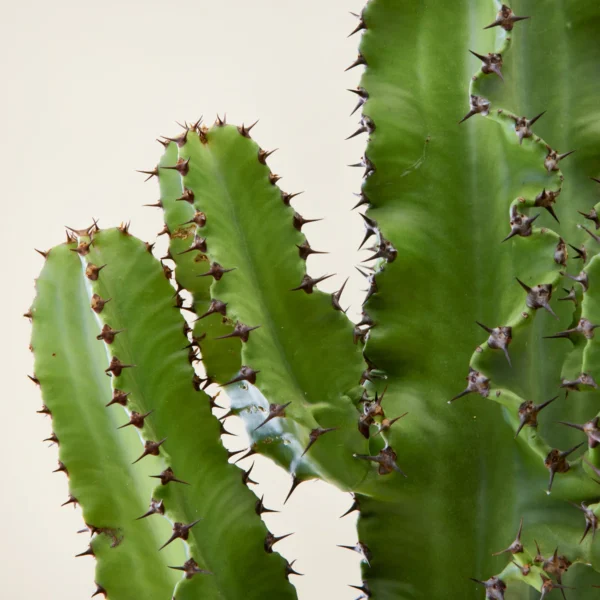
[180,531]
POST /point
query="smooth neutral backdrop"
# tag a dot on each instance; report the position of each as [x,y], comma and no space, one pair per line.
[86,89]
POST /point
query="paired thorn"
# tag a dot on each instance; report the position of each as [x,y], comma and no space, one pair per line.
[499,339]
[271,540]
[180,531]
[548,585]
[523,126]
[264,154]
[538,296]
[386,459]
[476,383]
[240,331]
[296,481]
[244,374]
[478,106]
[275,411]
[556,462]
[216,271]
[336,297]
[308,283]
[299,221]
[190,568]
[553,158]
[583,379]
[361,549]
[584,326]
[108,334]
[187,196]
[591,520]
[571,295]
[516,547]
[304,250]
[198,219]
[590,428]
[491,63]
[315,434]
[360,60]
[520,224]
[582,278]
[151,174]
[355,506]
[136,419]
[215,306]
[97,304]
[182,166]
[546,199]
[245,131]
[494,587]
[591,216]
[506,19]
[363,96]
[150,449]
[366,126]
[287,198]
[528,413]
[92,272]
[361,24]
[116,367]
[157,507]
[259,506]
[167,476]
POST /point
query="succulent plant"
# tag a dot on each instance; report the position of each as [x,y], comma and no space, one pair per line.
[475,233]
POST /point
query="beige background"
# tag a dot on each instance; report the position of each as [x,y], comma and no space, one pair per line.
[86,88]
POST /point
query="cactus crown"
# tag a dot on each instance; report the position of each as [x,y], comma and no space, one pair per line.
[472,234]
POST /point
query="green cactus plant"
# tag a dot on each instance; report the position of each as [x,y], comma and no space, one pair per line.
[494,481]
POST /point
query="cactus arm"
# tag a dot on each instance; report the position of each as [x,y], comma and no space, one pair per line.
[219,360]
[229,540]
[97,457]
[440,194]
[250,229]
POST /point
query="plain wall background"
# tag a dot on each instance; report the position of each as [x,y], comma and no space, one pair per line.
[86,88]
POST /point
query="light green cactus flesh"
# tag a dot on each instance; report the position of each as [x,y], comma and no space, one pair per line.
[464,188]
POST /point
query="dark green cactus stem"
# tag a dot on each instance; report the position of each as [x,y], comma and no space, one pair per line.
[204,497]
[439,194]
[69,366]
[285,323]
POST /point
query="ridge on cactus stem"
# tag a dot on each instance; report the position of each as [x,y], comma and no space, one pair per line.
[465,275]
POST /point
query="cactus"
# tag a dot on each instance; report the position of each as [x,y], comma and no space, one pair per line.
[474,232]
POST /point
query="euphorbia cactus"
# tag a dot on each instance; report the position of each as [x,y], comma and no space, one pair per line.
[475,234]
